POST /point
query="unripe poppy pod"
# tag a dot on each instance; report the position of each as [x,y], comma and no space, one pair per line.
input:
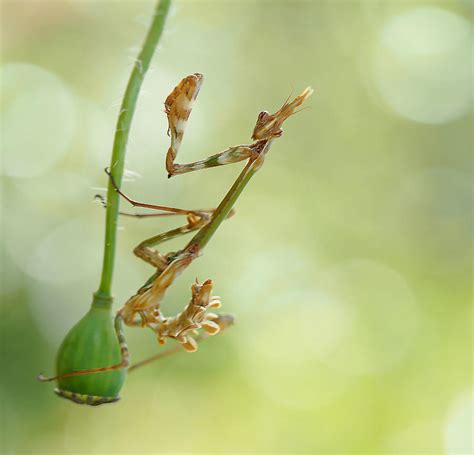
[91,343]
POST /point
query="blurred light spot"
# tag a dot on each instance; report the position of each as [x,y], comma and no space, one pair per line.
[269,273]
[381,316]
[458,430]
[283,346]
[55,308]
[67,254]
[38,119]
[56,305]
[425,31]
[22,214]
[55,193]
[422,65]
[432,212]
[38,205]
[99,125]
[11,277]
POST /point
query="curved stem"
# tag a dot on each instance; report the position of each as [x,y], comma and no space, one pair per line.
[103,296]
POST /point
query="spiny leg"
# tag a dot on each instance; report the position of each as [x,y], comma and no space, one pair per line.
[124,353]
[178,107]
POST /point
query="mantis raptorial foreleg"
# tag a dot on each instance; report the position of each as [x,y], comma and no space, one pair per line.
[143,309]
[228,156]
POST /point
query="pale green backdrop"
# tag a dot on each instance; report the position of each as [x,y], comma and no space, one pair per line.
[348,264]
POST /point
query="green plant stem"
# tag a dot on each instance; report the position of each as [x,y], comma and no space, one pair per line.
[103,296]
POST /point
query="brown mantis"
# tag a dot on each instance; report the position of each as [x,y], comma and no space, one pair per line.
[144,308]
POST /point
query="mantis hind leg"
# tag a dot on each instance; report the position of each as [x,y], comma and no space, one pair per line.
[169,210]
[196,219]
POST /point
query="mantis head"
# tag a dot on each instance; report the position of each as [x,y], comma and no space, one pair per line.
[268,126]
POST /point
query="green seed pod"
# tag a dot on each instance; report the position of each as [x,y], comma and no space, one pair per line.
[91,343]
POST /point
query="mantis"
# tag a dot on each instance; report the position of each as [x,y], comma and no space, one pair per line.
[143,309]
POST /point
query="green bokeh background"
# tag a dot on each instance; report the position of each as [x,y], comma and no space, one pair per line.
[348,265]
